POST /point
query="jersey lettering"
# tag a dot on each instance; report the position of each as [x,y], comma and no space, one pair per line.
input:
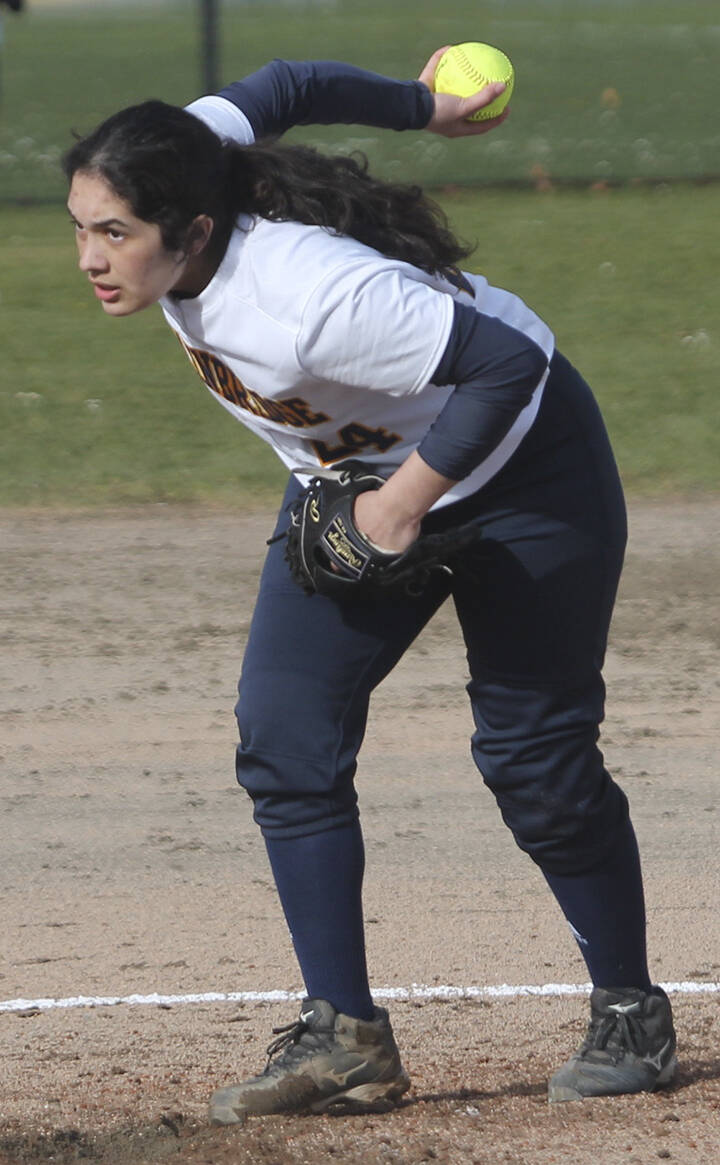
[294,411]
[223,381]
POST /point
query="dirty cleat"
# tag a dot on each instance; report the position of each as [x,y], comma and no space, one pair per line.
[629,1047]
[324,1060]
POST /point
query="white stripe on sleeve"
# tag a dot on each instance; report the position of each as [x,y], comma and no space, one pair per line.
[224,118]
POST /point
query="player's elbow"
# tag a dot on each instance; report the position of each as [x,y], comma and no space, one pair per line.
[521,371]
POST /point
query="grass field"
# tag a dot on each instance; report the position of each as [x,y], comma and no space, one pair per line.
[605,90]
[98,411]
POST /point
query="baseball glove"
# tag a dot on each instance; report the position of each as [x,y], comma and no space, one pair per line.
[328,555]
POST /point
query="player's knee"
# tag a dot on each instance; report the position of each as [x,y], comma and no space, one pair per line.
[291,798]
[283,816]
[536,747]
[564,817]
[569,843]
[298,781]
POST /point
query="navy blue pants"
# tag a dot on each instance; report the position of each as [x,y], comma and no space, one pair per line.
[534,604]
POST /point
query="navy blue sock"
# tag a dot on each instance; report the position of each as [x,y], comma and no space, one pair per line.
[319,880]
[605,907]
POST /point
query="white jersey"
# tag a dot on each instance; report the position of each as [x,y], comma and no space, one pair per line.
[325,348]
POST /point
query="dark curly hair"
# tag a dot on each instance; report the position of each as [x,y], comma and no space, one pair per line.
[170,167]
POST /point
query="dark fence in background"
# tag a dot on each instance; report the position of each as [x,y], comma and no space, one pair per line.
[607,91]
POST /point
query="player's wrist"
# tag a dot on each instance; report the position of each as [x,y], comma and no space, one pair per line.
[412,490]
[387,530]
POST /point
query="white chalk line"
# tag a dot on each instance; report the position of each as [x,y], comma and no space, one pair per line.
[416,991]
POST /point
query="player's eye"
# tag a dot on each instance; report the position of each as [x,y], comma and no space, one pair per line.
[115,235]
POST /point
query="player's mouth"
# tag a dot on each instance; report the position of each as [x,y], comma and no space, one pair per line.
[105,293]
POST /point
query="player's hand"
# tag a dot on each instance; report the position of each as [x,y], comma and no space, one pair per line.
[384,528]
[451,113]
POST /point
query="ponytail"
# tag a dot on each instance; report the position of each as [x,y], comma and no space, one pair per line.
[299,184]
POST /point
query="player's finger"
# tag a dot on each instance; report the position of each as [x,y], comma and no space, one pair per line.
[470,128]
[483,97]
[427,76]
[451,117]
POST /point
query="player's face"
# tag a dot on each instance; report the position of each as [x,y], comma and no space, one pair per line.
[123,256]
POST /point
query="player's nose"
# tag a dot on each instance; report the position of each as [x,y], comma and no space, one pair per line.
[91,257]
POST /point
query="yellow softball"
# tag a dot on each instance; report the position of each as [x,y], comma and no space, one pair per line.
[465,68]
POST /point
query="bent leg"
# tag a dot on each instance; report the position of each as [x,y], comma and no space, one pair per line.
[309,669]
[535,622]
[537,751]
[310,666]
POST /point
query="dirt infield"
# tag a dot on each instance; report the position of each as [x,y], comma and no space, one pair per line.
[130,864]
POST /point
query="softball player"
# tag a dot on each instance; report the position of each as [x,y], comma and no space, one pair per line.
[326,311]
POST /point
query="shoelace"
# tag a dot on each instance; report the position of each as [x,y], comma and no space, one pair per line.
[288,1043]
[617,1033]
[290,1033]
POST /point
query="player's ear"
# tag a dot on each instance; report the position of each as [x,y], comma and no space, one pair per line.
[199,233]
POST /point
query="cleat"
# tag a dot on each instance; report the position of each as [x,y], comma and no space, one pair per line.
[323,1063]
[629,1047]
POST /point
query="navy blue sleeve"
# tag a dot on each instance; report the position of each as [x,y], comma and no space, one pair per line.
[495,370]
[287,93]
